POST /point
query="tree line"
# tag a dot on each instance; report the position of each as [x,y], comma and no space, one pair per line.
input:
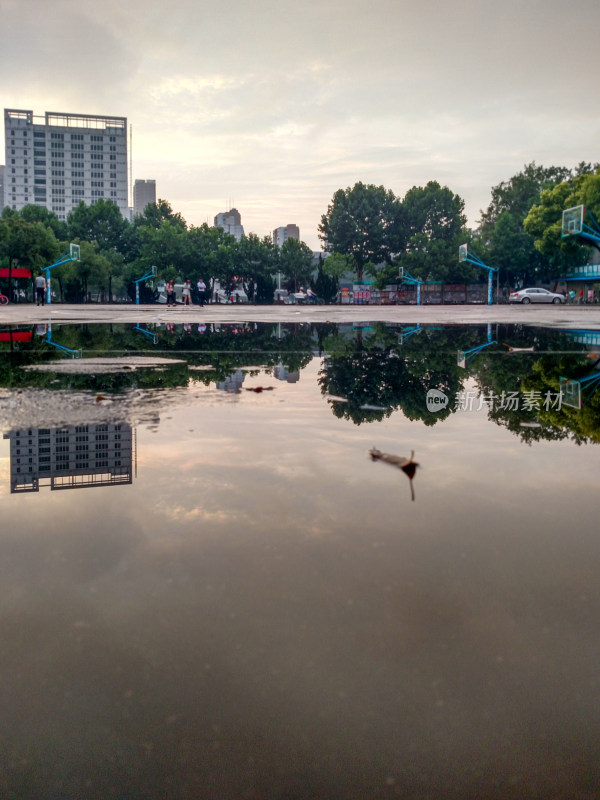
[367,231]
[116,252]
[371,232]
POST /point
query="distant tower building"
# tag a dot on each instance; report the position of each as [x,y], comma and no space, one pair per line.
[231,222]
[289,232]
[144,193]
[1,187]
[59,160]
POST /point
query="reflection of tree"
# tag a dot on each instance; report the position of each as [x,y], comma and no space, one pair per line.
[527,373]
[224,350]
[374,369]
[583,424]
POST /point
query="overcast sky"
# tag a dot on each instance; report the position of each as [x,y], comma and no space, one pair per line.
[273,106]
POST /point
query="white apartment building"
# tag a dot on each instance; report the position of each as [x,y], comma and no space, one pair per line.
[58,160]
[72,457]
[144,193]
[290,231]
[231,222]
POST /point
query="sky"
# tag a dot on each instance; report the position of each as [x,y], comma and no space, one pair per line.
[272,107]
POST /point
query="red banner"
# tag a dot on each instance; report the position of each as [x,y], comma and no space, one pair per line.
[16,272]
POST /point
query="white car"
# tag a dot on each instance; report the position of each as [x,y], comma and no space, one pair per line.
[536,296]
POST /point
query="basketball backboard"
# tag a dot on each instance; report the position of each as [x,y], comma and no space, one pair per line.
[463,252]
[572,221]
[75,252]
[570,391]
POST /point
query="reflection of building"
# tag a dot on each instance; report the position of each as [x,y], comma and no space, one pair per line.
[231,222]
[289,232]
[71,457]
[232,383]
[58,160]
[282,374]
[144,193]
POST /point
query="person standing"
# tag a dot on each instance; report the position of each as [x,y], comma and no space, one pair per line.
[201,291]
[170,294]
[187,293]
[40,290]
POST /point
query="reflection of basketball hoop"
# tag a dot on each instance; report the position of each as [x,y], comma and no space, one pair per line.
[570,391]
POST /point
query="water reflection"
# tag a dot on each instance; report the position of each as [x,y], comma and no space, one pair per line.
[71,457]
[368,371]
[263,612]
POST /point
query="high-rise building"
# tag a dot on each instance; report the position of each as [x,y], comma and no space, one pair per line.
[290,231]
[59,160]
[144,193]
[1,186]
[231,222]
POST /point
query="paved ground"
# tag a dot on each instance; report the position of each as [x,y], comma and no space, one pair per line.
[566,316]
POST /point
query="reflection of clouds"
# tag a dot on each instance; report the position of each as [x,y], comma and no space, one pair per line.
[270,595]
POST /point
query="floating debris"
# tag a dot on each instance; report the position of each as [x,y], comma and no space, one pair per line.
[512,349]
[258,389]
[368,407]
[336,399]
[407,465]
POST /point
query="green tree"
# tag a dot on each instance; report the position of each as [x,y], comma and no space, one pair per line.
[544,221]
[256,260]
[156,213]
[326,285]
[296,263]
[517,195]
[435,223]
[512,251]
[33,213]
[26,244]
[364,223]
[102,223]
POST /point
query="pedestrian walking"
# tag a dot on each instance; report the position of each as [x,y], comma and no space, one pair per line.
[40,290]
[187,293]
[201,286]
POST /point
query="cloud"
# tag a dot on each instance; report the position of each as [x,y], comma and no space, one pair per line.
[280,104]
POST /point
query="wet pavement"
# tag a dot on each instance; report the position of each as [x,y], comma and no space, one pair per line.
[221,579]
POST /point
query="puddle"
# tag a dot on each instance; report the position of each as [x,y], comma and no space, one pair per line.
[240,600]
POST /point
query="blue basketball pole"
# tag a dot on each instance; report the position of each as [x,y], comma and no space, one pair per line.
[465,254]
[67,256]
[147,276]
[408,278]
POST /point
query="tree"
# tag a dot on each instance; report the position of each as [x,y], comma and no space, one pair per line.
[544,221]
[256,260]
[48,219]
[102,223]
[296,263]
[511,250]
[326,285]
[26,244]
[75,278]
[336,266]
[521,192]
[364,223]
[156,213]
[435,223]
